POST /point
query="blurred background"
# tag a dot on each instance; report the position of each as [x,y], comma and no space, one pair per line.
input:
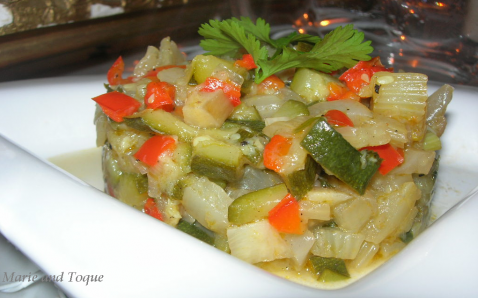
[79,37]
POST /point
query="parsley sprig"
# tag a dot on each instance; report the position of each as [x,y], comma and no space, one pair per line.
[342,47]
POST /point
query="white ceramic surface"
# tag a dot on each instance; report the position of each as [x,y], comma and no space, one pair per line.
[67,226]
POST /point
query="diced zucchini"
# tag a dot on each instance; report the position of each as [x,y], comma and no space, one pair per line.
[195,231]
[138,124]
[166,123]
[207,109]
[111,168]
[301,181]
[216,159]
[221,243]
[256,125]
[128,191]
[426,184]
[253,148]
[312,85]
[335,154]
[204,66]
[255,205]
[291,109]
[166,175]
[329,269]
[245,112]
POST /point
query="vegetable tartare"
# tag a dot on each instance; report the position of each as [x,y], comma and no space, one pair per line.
[301,155]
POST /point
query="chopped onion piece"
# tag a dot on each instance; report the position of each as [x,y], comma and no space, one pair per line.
[416,162]
[208,203]
[325,195]
[334,243]
[257,242]
[300,246]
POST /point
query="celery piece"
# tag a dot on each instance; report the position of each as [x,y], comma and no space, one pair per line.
[334,153]
[402,96]
[431,141]
[320,265]
[195,231]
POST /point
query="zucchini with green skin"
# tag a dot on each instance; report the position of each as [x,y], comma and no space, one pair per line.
[138,124]
[245,112]
[329,269]
[255,205]
[166,123]
[335,154]
[216,160]
[131,190]
[312,85]
[301,181]
[291,109]
[426,184]
[256,125]
[195,231]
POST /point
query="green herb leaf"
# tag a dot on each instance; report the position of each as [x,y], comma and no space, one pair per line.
[343,47]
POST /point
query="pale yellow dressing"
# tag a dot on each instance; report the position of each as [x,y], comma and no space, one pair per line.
[84,164]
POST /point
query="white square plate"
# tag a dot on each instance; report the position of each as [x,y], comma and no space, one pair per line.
[70,229]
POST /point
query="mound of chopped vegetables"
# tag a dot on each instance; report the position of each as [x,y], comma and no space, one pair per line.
[299,153]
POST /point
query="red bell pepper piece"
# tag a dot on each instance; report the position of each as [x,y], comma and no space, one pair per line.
[152,209]
[338,92]
[285,216]
[277,148]
[270,85]
[246,62]
[117,105]
[361,74]
[391,157]
[115,73]
[160,95]
[339,118]
[230,89]
[154,148]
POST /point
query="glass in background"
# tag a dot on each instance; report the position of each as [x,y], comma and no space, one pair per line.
[438,38]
